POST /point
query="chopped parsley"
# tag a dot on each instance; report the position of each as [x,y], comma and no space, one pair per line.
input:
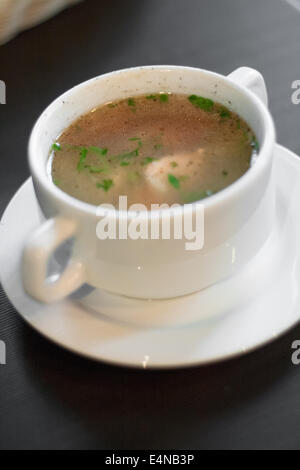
[83,155]
[56,147]
[225,173]
[127,155]
[224,113]
[255,145]
[81,163]
[203,103]
[98,150]
[164,98]
[124,164]
[105,185]
[174,164]
[131,102]
[174,181]
[147,160]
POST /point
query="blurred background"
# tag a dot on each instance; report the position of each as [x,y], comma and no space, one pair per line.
[16,15]
[295,3]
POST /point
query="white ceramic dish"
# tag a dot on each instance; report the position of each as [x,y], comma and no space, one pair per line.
[238,219]
[229,319]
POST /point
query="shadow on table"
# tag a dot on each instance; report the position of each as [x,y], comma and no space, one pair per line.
[132,409]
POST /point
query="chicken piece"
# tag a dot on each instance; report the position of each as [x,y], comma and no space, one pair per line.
[179,165]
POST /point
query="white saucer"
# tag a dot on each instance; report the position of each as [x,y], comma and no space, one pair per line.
[226,320]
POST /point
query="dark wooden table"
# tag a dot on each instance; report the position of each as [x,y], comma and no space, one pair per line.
[50,398]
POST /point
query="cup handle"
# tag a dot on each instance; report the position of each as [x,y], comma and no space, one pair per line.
[37,253]
[251,79]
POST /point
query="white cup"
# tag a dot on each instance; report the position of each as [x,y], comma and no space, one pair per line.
[238,220]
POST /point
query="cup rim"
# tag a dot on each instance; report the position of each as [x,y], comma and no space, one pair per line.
[226,194]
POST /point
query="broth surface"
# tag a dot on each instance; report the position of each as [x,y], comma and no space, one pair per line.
[154,149]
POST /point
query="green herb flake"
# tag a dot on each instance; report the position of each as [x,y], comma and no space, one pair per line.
[98,150]
[131,102]
[81,163]
[255,145]
[174,181]
[134,139]
[147,160]
[164,98]
[225,173]
[56,147]
[203,103]
[174,164]
[128,155]
[105,185]
[56,182]
[224,113]
[124,164]
[151,97]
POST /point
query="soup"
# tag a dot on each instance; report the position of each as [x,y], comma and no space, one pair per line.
[154,149]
